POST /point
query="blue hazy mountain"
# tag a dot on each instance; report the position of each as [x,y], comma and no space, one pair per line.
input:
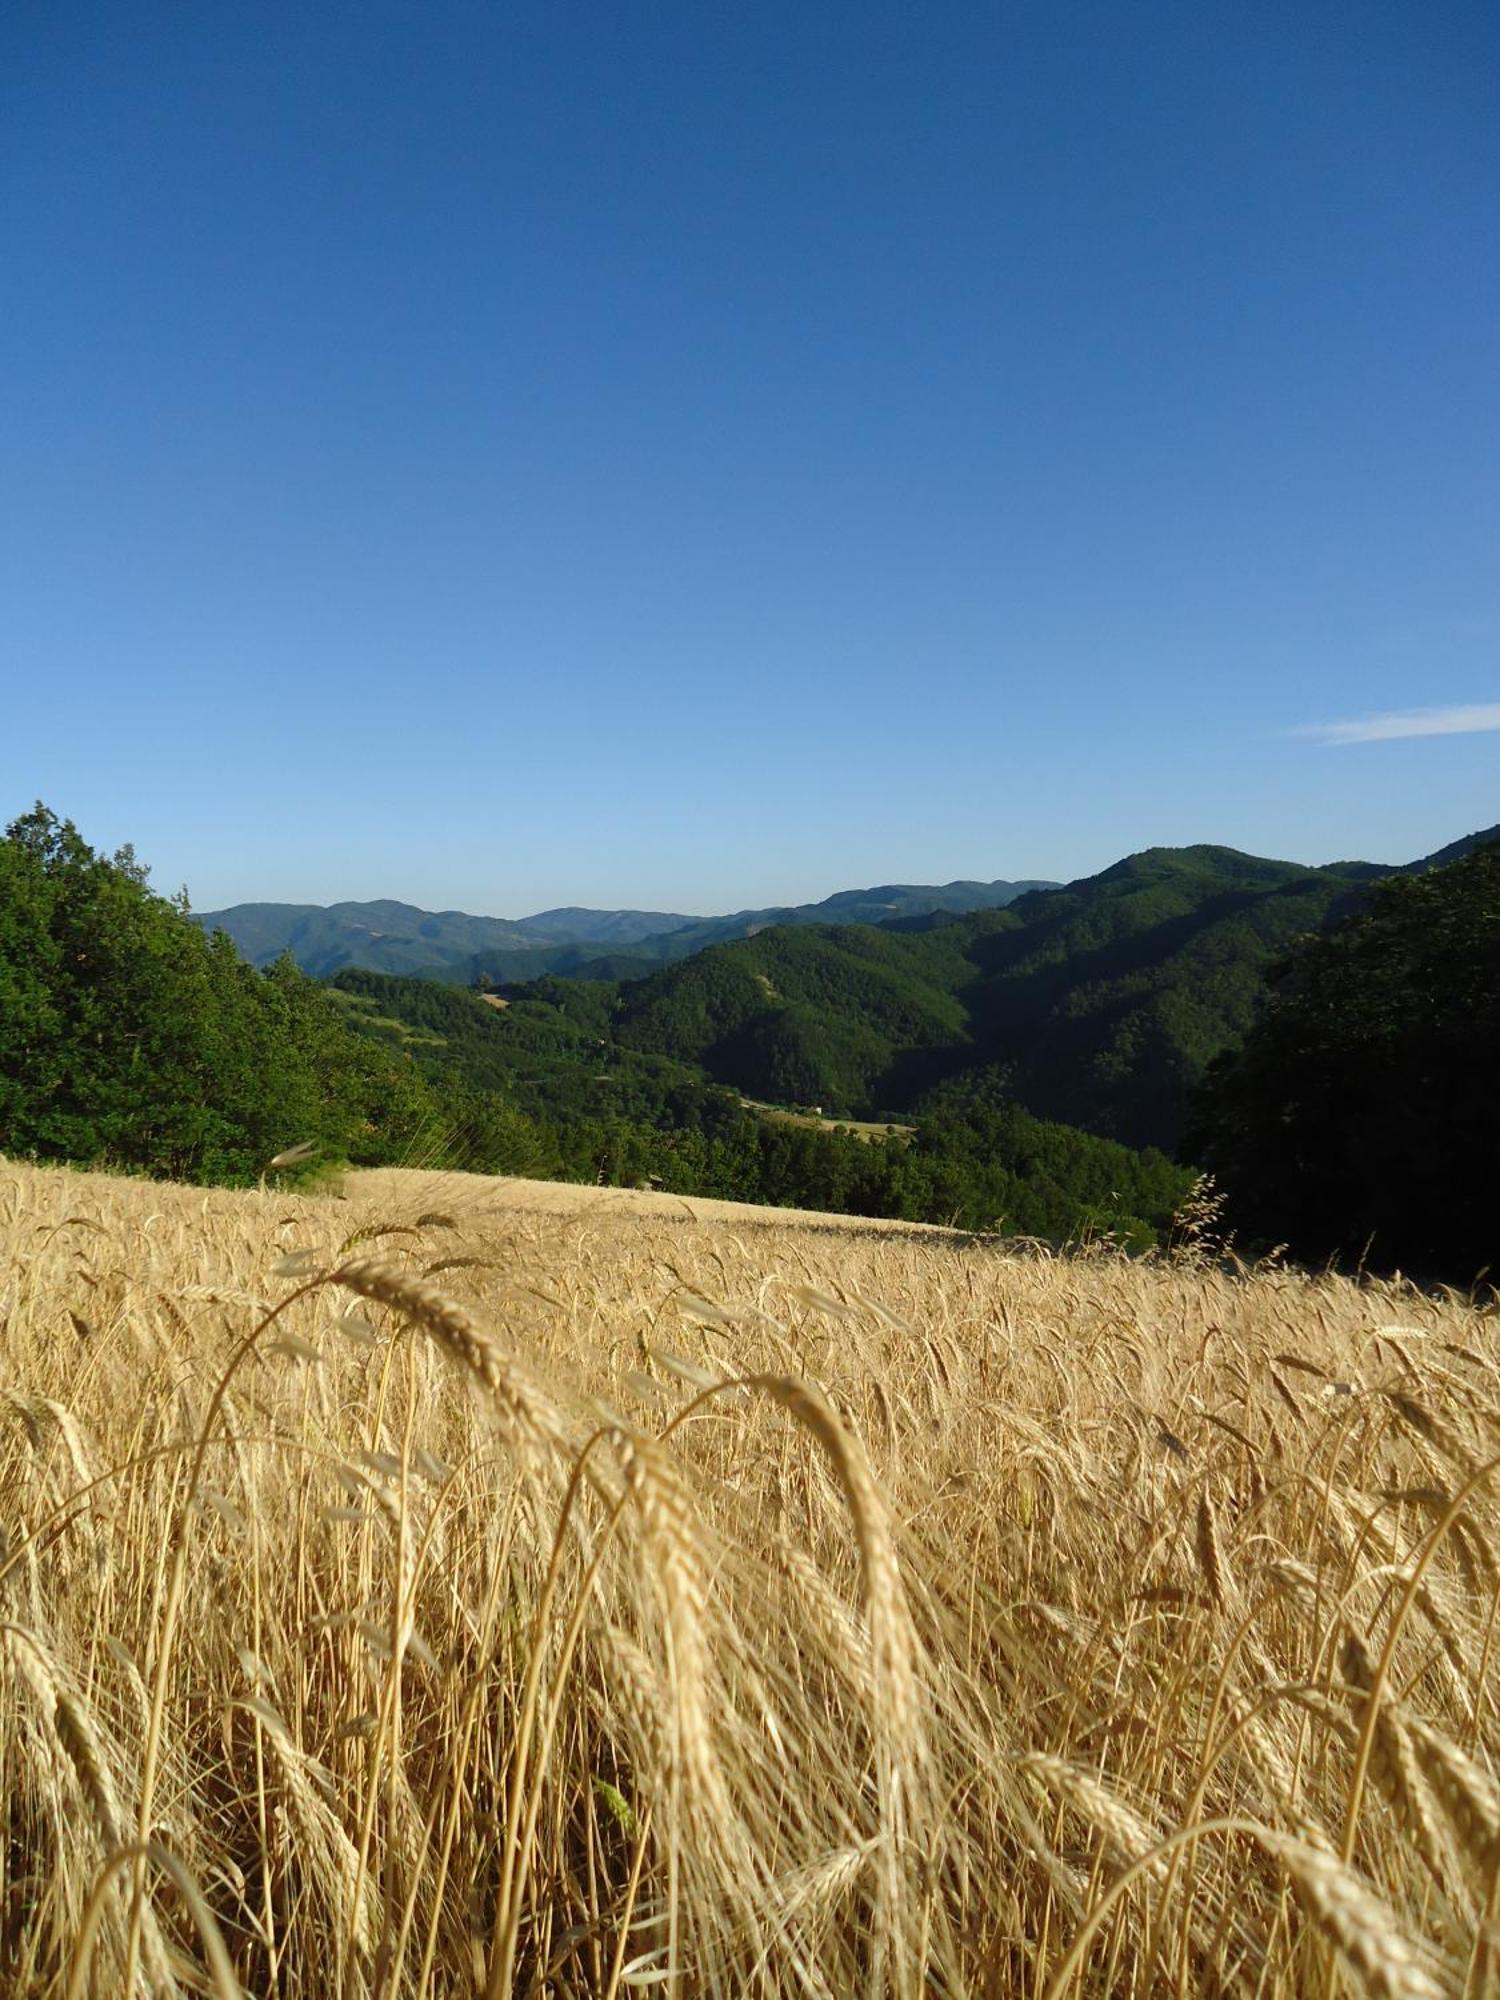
[387,936]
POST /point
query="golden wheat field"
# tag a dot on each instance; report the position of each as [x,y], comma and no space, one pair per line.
[459,1587]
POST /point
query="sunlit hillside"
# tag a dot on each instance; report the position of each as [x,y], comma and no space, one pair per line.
[467,1586]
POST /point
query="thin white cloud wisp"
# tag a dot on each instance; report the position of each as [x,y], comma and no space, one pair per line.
[1470,721]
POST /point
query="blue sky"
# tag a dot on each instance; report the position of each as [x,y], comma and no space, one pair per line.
[697,456]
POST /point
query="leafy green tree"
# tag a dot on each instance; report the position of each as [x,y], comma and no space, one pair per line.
[129,1037]
[1358,1119]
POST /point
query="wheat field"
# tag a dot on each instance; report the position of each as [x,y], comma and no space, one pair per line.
[457,1587]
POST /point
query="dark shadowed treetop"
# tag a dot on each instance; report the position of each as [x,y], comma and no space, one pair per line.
[1358,1119]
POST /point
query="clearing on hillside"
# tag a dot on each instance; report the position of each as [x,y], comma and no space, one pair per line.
[874,1132]
[463,1586]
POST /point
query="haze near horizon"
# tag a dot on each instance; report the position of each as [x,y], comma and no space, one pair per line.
[700,460]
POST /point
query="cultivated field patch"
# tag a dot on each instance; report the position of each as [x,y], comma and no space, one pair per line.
[460,1586]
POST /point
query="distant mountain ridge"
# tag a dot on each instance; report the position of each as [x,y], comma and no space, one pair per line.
[385,935]
[1456,850]
[1101,1003]
[388,936]
[608,927]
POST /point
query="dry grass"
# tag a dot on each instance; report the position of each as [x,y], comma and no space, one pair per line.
[457,1588]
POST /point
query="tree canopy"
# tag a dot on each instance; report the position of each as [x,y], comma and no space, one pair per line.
[129,1038]
[1357,1120]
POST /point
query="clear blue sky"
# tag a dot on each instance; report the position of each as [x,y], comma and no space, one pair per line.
[690,455]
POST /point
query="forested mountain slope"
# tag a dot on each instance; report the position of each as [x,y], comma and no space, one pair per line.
[891,902]
[1104,1001]
[1456,850]
[539,1085]
[980,1043]
[129,1037]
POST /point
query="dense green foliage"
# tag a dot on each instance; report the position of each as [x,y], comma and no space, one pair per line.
[1104,1001]
[1358,1119]
[1041,1178]
[813,1015]
[129,1038]
[540,1086]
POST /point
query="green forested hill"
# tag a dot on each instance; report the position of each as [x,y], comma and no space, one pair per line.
[1101,1003]
[541,1085]
[1114,995]
[889,903]
[808,1015]
[1104,1001]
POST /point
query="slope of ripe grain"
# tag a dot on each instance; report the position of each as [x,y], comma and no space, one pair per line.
[480,1195]
[464,1586]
